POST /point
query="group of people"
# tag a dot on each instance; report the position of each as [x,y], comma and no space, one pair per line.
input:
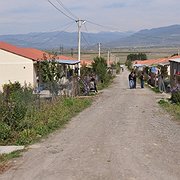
[132,79]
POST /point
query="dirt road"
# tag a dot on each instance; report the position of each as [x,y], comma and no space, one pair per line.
[124,135]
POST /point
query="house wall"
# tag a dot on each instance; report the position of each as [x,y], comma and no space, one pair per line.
[174,68]
[15,68]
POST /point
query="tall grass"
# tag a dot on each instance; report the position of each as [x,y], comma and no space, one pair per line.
[22,121]
[172,108]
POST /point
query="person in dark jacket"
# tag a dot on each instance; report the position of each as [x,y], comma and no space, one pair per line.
[142,79]
[134,79]
[131,80]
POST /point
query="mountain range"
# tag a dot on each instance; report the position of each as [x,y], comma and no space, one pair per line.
[162,36]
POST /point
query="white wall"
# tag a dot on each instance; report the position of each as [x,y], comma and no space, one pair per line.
[15,68]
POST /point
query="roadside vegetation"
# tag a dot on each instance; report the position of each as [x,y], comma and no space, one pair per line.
[172,108]
[173,104]
[104,74]
[25,117]
[22,121]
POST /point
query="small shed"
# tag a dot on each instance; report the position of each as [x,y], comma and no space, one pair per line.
[174,72]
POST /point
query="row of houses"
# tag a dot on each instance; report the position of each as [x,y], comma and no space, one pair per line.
[171,63]
[20,64]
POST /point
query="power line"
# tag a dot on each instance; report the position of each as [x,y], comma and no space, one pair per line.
[107,27]
[60,2]
[66,26]
[85,40]
[87,34]
[61,11]
[60,32]
[73,17]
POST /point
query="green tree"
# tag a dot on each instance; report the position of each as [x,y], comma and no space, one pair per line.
[50,73]
[139,56]
[100,68]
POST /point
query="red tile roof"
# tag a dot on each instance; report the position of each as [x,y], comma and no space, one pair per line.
[62,57]
[29,53]
[35,54]
[87,63]
[151,62]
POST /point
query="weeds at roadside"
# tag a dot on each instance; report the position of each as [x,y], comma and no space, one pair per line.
[39,123]
[172,108]
[4,160]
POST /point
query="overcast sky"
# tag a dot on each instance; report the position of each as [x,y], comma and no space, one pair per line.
[24,16]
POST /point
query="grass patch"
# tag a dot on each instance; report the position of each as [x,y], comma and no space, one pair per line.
[39,123]
[173,109]
[52,118]
[104,85]
[4,160]
[155,89]
[6,157]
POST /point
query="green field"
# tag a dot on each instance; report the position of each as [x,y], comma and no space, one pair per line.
[120,54]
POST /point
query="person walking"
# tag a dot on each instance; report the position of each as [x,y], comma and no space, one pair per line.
[134,79]
[142,79]
[131,81]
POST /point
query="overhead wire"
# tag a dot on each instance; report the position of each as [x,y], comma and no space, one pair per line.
[85,39]
[59,32]
[61,11]
[88,43]
[61,4]
[71,16]
[66,26]
[107,27]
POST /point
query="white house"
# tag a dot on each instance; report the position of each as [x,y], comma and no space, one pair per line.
[20,64]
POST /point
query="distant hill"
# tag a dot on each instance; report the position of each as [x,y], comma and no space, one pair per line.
[50,40]
[163,36]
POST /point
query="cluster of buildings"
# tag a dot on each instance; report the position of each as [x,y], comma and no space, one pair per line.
[20,64]
[172,65]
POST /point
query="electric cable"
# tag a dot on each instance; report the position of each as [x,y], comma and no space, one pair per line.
[61,11]
[60,3]
[85,39]
[107,27]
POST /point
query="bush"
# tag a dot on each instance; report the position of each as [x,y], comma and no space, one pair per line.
[15,101]
[26,137]
[5,131]
[21,122]
[175,97]
[100,68]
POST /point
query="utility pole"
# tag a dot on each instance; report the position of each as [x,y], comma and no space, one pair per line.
[108,60]
[61,49]
[79,23]
[99,45]
[72,52]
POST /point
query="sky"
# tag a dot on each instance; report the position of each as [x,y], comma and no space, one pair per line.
[21,17]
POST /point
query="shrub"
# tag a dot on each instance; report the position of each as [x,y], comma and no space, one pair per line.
[5,131]
[100,68]
[26,137]
[175,97]
[15,101]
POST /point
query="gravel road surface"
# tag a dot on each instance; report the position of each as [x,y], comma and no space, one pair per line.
[124,135]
